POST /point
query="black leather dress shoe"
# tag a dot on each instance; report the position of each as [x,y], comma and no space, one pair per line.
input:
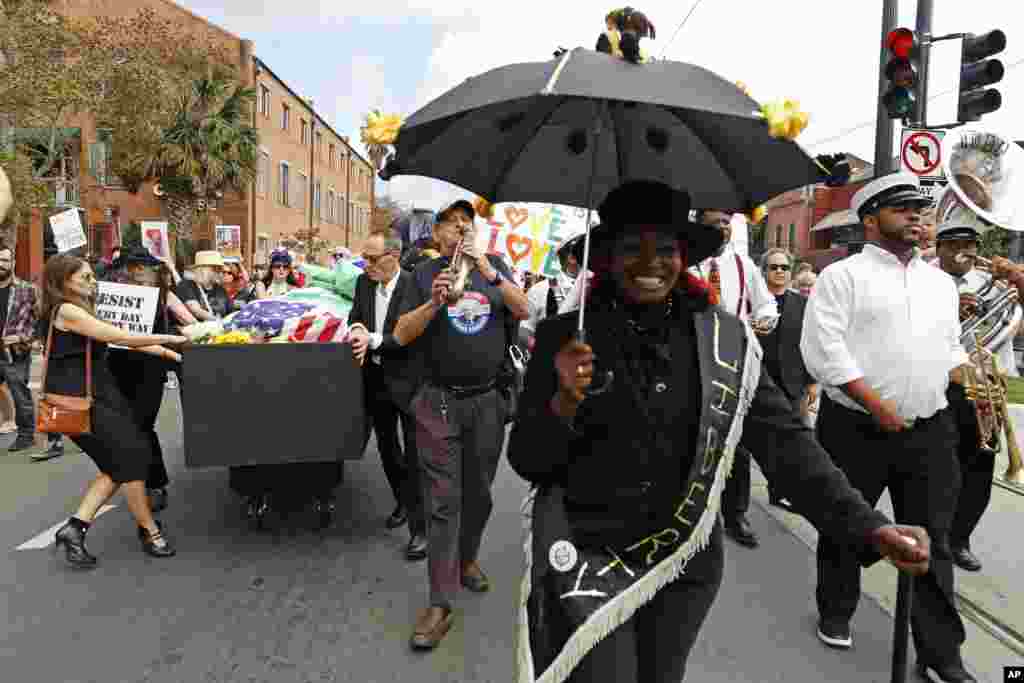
[966,560]
[417,548]
[740,531]
[397,518]
[949,673]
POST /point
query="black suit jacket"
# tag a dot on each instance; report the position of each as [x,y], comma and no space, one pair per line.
[397,370]
[602,468]
[788,365]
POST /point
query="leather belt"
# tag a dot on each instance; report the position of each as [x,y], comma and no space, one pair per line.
[461,392]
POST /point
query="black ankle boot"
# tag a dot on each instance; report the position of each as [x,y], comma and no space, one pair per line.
[156,544]
[72,537]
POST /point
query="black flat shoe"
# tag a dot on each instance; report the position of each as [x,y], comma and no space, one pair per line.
[72,539]
[398,518]
[417,548]
[966,560]
[949,673]
[740,531]
[156,544]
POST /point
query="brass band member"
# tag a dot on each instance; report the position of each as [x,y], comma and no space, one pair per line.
[882,335]
[629,481]
[956,245]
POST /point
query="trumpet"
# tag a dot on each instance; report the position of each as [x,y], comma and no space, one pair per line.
[986,387]
[461,264]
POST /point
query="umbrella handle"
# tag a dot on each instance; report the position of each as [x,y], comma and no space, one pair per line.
[901,627]
[603,379]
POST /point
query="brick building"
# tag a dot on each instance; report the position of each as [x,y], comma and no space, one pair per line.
[309,175]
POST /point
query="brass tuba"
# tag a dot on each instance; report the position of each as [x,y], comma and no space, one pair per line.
[985,175]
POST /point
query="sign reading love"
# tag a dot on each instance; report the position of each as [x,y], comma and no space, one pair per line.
[528,235]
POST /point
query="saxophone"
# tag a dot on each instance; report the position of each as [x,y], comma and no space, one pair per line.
[461,264]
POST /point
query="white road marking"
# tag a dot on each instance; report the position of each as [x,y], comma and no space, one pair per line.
[45,539]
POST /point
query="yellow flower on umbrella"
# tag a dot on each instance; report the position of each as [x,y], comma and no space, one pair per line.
[483,208]
[743,86]
[380,131]
[757,214]
[784,118]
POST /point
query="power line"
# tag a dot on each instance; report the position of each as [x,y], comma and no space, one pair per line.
[865,124]
[679,28]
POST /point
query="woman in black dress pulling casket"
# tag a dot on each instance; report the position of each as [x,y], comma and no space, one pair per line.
[141,377]
[625,556]
[120,448]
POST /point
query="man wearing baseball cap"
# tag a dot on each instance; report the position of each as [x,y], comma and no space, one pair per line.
[882,335]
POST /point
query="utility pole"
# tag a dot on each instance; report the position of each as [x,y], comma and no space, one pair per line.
[924,36]
[884,125]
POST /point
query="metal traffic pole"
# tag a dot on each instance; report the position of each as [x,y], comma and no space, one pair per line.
[901,627]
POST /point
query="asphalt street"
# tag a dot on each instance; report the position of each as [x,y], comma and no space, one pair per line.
[294,605]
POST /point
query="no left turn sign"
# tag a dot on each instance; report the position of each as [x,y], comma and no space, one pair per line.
[921,153]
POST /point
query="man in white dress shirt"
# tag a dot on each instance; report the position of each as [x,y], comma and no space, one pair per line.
[745,294]
[977,464]
[882,335]
[547,296]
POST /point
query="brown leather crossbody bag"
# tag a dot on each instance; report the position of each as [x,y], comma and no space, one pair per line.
[60,414]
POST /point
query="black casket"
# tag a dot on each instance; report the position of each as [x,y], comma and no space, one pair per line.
[269,404]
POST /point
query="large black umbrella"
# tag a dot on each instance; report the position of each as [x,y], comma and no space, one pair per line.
[524,132]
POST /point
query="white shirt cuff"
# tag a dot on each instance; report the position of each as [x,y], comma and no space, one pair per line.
[376,339]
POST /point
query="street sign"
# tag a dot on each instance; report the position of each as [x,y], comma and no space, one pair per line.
[921,153]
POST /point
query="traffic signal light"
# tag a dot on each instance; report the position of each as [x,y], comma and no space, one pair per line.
[902,73]
[977,71]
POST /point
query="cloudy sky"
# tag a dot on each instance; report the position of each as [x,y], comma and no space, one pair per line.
[396,55]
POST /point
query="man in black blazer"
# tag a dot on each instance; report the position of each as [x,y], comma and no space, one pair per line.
[782,357]
[389,380]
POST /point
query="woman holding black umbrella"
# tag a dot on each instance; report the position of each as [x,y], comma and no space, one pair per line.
[625,557]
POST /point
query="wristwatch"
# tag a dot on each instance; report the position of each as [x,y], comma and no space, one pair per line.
[497,279]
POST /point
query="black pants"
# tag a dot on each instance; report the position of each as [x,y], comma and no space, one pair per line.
[15,375]
[920,469]
[977,467]
[401,465]
[736,494]
[653,646]
[141,379]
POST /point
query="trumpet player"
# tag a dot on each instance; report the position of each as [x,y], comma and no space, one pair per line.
[957,247]
[738,286]
[461,314]
[882,336]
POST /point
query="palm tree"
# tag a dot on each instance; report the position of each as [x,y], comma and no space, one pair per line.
[209,149]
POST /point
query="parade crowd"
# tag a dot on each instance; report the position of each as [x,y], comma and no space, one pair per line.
[863,358]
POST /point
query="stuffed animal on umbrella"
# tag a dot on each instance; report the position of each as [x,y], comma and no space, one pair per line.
[624,29]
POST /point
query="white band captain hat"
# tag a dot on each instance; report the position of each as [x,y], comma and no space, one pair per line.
[894,189]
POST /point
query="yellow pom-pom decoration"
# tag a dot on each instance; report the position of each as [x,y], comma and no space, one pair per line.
[743,86]
[757,214]
[784,118]
[483,208]
[380,129]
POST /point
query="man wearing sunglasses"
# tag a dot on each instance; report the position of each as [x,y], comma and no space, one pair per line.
[781,346]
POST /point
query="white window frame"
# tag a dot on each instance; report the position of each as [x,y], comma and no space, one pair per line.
[286,116]
[265,101]
[330,203]
[304,134]
[301,189]
[316,199]
[263,172]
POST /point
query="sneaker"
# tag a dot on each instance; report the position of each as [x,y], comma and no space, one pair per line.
[55,450]
[8,427]
[22,443]
[835,634]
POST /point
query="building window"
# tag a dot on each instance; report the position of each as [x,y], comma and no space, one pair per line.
[264,101]
[330,156]
[316,199]
[300,191]
[262,172]
[339,212]
[319,146]
[778,235]
[330,205]
[792,237]
[286,115]
[284,185]
[262,248]
[304,136]
[100,153]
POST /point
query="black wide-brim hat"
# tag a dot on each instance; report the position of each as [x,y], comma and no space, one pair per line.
[135,256]
[957,232]
[647,202]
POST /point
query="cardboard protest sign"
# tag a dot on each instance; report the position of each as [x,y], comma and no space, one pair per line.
[229,240]
[154,238]
[129,307]
[528,235]
[68,233]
